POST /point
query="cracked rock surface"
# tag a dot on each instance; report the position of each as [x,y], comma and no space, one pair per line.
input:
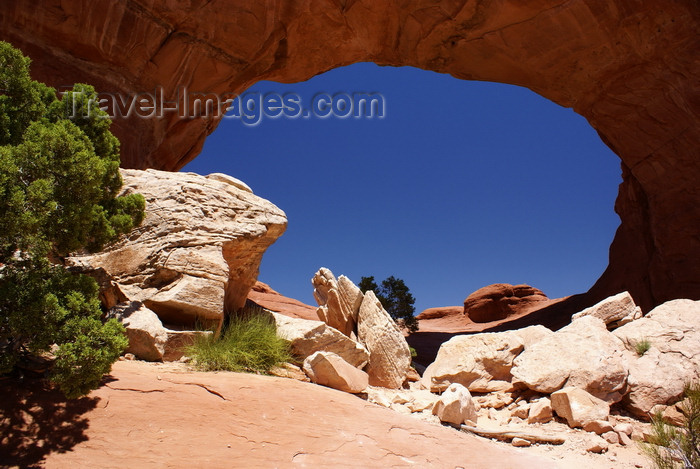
[163,416]
[198,250]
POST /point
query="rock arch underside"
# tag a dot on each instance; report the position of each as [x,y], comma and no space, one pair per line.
[630,67]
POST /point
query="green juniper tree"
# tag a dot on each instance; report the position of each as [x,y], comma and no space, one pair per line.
[396,299]
[59,180]
[672,447]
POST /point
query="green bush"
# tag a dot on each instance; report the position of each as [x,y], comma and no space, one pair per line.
[59,180]
[642,346]
[677,447]
[396,298]
[248,343]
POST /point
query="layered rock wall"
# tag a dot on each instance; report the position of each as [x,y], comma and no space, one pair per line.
[628,66]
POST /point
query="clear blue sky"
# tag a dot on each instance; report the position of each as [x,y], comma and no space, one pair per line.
[460,185]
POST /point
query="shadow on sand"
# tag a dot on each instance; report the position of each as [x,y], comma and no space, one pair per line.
[36,419]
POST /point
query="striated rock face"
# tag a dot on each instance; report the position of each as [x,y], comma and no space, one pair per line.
[500,300]
[389,355]
[198,250]
[339,301]
[628,66]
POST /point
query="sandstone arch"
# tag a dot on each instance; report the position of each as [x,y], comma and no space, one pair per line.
[629,66]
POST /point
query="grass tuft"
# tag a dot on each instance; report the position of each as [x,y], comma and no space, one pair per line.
[249,343]
[642,346]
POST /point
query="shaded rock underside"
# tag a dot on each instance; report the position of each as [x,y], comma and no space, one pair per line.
[628,66]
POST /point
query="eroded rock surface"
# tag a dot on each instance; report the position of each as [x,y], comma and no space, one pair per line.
[480,362]
[614,311]
[389,355]
[583,354]
[578,407]
[329,369]
[307,337]
[198,250]
[501,300]
[338,301]
[200,419]
[672,331]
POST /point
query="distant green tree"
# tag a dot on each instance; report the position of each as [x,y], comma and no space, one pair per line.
[59,180]
[396,299]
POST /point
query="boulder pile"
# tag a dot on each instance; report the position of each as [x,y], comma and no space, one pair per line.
[354,329]
[610,361]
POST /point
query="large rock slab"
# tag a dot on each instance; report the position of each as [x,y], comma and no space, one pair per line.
[264,296]
[455,406]
[338,301]
[307,337]
[583,354]
[231,419]
[480,362]
[329,369]
[389,355]
[578,407]
[146,334]
[198,250]
[614,311]
[501,300]
[659,376]
[148,339]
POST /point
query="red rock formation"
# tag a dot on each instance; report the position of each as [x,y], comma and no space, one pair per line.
[502,300]
[263,295]
[628,66]
[440,313]
[162,416]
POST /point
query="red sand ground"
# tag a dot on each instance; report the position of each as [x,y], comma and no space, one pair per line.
[156,415]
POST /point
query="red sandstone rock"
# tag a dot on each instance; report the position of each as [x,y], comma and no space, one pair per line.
[501,300]
[261,287]
[440,313]
[268,298]
[161,416]
[628,66]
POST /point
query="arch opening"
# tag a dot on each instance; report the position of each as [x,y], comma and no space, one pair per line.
[628,67]
[461,184]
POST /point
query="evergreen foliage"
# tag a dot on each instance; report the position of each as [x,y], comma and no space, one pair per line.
[59,180]
[677,447]
[396,299]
